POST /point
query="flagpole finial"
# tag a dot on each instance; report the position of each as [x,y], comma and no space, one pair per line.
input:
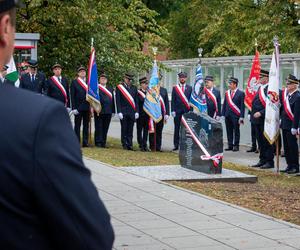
[275,40]
[92,42]
[256,44]
[200,50]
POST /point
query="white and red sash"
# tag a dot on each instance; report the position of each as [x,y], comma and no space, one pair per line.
[105,91]
[163,106]
[287,106]
[212,97]
[127,96]
[231,104]
[61,88]
[82,84]
[182,96]
[142,94]
[262,96]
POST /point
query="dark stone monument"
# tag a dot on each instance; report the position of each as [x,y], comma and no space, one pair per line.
[209,133]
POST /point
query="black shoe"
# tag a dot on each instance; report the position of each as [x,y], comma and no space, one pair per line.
[251,150]
[142,149]
[85,145]
[229,149]
[98,145]
[175,148]
[258,165]
[256,151]
[158,150]
[235,148]
[285,170]
[147,149]
[267,165]
[130,148]
[293,171]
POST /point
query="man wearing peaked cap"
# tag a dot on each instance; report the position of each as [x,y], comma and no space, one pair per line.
[33,80]
[213,98]
[233,110]
[43,177]
[102,121]
[143,120]
[181,94]
[127,109]
[80,106]
[290,115]
[266,151]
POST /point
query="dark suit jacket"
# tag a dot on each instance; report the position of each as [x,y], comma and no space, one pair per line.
[78,97]
[108,105]
[176,104]
[210,104]
[36,86]
[47,198]
[257,106]
[123,105]
[294,101]
[141,100]
[164,94]
[238,100]
[54,92]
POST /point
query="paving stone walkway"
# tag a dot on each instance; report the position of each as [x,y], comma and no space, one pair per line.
[149,214]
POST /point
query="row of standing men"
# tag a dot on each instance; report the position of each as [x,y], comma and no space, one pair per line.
[129,108]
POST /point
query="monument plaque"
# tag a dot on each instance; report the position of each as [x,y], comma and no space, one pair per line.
[201,143]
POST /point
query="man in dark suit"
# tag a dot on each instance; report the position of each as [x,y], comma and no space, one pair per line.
[47,198]
[102,121]
[290,114]
[233,110]
[213,98]
[58,86]
[127,108]
[33,80]
[80,106]
[266,151]
[181,94]
[165,111]
[143,121]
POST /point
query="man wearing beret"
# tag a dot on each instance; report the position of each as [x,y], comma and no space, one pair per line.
[58,87]
[290,114]
[143,121]
[233,110]
[80,106]
[213,98]
[127,108]
[33,80]
[47,198]
[102,121]
[181,94]
[266,151]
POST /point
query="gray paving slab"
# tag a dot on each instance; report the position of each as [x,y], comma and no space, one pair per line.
[168,217]
[177,173]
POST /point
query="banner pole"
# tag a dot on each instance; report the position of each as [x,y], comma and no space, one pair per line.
[277,155]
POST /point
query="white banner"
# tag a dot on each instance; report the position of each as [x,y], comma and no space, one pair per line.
[271,128]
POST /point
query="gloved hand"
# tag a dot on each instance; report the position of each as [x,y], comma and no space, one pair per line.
[173,113]
[218,118]
[293,131]
[120,116]
[136,116]
[249,117]
[257,115]
[166,118]
[75,112]
[241,120]
[69,110]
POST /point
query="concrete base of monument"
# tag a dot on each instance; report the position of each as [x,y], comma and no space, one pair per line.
[178,173]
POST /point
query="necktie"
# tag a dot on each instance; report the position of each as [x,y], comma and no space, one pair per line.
[182,88]
[32,78]
[232,94]
[59,79]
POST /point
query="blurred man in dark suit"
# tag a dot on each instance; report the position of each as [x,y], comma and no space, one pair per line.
[213,98]
[47,198]
[233,110]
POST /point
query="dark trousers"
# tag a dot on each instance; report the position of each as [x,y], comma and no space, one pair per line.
[142,131]
[158,135]
[102,122]
[177,120]
[84,117]
[127,124]
[266,151]
[291,149]
[253,136]
[232,130]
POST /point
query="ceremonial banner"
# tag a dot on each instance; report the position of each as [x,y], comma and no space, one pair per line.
[198,99]
[252,85]
[93,92]
[152,101]
[271,128]
[12,73]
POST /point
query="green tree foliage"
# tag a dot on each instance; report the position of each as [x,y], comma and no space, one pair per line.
[66,28]
[229,27]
